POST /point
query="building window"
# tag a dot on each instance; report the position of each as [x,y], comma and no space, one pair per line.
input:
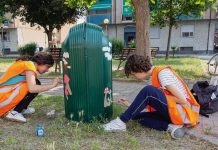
[5,35]
[185,49]
[187,30]
[127,18]
[154,32]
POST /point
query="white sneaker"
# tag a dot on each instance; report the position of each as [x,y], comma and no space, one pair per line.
[15,116]
[28,111]
[115,125]
[177,131]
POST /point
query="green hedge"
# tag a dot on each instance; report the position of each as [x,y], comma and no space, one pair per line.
[28,49]
[117,46]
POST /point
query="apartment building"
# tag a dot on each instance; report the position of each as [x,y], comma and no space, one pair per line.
[191,35]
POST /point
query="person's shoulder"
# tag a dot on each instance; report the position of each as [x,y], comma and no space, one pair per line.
[165,71]
[28,62]
[29,65]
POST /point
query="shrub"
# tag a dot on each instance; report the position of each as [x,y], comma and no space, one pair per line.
[117,46]
[28,49]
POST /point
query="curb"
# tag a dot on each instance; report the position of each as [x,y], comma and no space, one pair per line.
[209,139]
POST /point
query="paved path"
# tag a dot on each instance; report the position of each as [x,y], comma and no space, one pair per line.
[207,129]
[204,57]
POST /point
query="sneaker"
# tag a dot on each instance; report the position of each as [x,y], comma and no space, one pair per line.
[115,125]
[28,111]
[177,131]
[15,116]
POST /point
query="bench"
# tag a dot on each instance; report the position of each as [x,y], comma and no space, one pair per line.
[129,51]
[57,56]
[153,52]
[123,56]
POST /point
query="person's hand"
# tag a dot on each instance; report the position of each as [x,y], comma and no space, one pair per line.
[123,101]
[56,81]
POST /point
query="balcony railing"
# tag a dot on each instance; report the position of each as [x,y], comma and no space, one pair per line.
[99,18]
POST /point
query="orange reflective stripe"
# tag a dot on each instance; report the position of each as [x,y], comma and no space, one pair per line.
[195,108]
[3,90]
[12,96]
[183,114]
[10,99]
[7,89]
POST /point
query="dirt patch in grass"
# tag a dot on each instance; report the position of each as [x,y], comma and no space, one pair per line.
[61,133]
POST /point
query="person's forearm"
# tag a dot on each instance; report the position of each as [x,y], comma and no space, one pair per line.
[40,88]
[177,94]
[179,101]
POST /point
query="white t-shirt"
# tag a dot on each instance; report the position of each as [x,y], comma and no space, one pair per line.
[167,77]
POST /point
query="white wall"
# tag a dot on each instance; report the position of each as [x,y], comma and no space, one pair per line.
[198,41]
[27,35]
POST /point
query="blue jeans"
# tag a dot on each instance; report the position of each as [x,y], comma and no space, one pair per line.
[154,97]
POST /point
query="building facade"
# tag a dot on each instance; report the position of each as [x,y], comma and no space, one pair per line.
[191,35]
[14,34]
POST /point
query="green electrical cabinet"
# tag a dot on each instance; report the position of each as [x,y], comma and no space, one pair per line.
[87,73]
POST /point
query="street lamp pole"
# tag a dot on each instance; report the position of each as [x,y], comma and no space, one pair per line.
[106,22]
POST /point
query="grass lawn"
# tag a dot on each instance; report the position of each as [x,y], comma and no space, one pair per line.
[187,68]
[60,133]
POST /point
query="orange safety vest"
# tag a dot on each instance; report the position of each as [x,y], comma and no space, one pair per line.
[11,95]
[180,114]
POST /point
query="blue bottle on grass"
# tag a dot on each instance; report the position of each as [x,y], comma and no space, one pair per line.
[40,131]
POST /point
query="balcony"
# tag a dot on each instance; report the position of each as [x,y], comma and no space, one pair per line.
[99,18]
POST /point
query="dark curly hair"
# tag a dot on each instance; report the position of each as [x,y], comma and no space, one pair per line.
[136,63]
[41,58]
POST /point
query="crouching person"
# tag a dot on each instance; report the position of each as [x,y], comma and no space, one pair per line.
[169,104]
[19,85]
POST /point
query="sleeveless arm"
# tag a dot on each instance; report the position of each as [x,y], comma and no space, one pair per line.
[33,87]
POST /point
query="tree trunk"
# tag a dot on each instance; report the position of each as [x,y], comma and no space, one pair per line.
[208,33]
[170,31]
[142,27]
[48,32]
[168,42]
[49,36]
